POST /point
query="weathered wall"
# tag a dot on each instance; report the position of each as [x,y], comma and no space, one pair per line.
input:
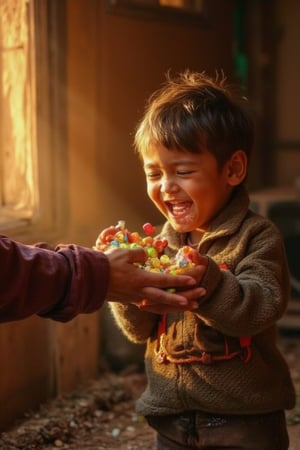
[288,93]
[113,63]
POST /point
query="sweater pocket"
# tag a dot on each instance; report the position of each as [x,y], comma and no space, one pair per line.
[191,340]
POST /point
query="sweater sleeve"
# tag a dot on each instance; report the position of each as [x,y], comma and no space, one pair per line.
[136,325]
[57,284]
[254,295]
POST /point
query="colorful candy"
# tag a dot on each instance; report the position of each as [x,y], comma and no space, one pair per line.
[148,228]
[120,237]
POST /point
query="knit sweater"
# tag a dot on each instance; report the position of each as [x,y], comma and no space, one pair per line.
[246,300]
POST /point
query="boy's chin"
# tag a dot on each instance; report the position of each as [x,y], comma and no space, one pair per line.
[181,228]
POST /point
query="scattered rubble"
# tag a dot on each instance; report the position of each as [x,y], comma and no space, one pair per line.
[101,416]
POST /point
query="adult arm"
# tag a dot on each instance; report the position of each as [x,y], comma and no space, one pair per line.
[57,284]
[69,280]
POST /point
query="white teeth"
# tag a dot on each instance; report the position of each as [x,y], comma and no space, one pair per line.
[179,208]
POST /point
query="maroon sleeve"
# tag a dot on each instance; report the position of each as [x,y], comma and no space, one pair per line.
[56,284]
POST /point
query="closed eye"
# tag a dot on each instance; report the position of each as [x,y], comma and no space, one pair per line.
[152,175]
[184,172]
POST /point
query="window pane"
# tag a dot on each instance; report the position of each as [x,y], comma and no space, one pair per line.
[18,192]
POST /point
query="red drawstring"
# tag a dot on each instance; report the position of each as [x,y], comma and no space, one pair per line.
[245,344]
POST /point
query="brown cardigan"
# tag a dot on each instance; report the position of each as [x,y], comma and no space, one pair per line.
[247,299]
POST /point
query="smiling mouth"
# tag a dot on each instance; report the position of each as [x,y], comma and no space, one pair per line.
[179,209]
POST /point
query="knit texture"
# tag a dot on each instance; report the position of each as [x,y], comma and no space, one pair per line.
[247,299]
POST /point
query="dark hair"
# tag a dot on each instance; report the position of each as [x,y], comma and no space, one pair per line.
[192,112]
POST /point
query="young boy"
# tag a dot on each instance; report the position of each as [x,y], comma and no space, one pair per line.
[215,376]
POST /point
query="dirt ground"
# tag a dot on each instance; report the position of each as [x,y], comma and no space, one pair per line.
[101,416]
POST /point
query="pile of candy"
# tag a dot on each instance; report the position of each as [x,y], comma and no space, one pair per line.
[120,237]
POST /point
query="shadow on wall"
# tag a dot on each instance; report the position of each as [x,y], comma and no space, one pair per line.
[282,206]
[117,352]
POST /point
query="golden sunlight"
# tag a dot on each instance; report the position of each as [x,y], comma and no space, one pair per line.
[17,155]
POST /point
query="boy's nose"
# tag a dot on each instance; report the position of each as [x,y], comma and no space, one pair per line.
[167,185]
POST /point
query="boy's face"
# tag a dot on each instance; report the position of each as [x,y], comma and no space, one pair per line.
[189,189]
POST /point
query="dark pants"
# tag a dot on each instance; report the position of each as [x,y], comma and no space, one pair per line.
[197,430]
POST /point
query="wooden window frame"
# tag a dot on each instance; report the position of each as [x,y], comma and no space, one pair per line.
[47,25]
[152,10]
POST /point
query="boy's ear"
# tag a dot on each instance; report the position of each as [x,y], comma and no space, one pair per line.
[237,168]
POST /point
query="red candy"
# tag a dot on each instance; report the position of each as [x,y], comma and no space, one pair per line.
[120,237]
[148,229]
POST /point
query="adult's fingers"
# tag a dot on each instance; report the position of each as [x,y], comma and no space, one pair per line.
[192,297]
[165,309]
[159,296]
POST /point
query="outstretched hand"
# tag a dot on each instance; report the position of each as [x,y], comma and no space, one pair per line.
[192,294]
[130,284]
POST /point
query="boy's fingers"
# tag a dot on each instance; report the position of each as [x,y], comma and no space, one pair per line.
[159,296]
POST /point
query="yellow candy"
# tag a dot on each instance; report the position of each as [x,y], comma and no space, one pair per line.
[148,240]
[165,260]
[119,236]
[156,262]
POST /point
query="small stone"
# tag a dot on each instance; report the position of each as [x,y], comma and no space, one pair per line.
[115,432]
